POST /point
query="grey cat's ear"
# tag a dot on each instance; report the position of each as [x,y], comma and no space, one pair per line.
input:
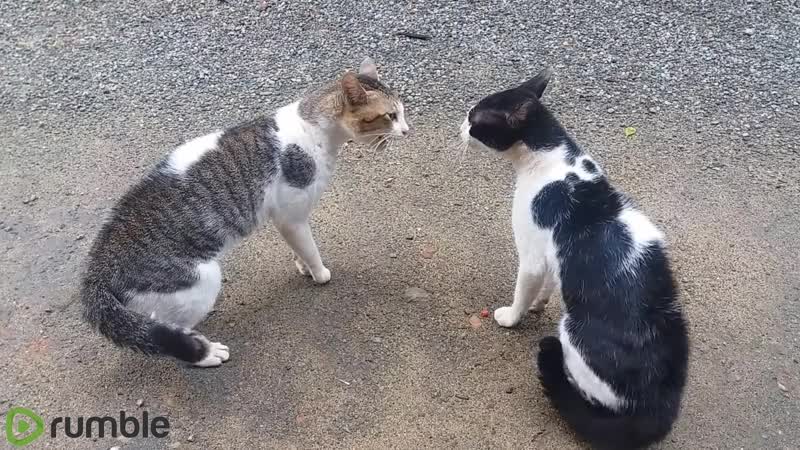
[354,93]
[368,68]
[538,84]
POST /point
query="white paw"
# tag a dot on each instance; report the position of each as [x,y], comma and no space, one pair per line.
[505,317]
[322,276]
[217,354]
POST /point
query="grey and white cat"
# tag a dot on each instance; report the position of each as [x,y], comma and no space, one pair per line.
[153,272]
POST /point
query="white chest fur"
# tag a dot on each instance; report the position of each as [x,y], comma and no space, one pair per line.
[534,171]
[287,202]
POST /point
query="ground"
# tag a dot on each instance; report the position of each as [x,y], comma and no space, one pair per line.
[93,93]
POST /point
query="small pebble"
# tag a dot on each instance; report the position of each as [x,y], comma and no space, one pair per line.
[475,322]
[415,293]
[428,250]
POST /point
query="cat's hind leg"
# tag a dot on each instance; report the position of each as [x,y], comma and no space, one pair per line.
[529,283]
[185,308]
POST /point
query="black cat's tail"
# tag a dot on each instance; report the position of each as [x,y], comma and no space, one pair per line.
[126,328]
[601,427]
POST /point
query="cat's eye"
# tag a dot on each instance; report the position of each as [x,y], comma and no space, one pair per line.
[392,116]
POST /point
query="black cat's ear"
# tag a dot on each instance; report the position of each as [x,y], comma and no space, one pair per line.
[538,84]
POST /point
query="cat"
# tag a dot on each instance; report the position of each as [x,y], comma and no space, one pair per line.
[153,272]
[617,370]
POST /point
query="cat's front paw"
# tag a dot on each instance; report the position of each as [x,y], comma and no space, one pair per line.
[322,276]
[505,317]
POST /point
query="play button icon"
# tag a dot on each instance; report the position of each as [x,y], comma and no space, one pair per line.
[23,426]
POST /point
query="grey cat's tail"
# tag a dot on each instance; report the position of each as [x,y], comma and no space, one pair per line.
[601,427]
[126,328]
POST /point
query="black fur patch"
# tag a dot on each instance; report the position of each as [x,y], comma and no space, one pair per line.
[572,178]
[297,166]
[589,166]
[573,152]
[551,204]
[184,346]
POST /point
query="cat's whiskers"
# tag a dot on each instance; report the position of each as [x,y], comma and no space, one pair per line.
[375,143]
[390,144]
[384,139]
[461,147]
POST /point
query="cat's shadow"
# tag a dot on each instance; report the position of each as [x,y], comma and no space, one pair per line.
[254,314]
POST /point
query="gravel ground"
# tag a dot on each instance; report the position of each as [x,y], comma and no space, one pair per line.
[92,93]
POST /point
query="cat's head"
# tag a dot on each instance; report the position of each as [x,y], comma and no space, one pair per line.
[370,110]
[503,119]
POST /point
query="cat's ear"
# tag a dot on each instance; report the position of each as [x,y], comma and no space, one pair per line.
[517,117]
[354,93]
[368,68]
[538,84]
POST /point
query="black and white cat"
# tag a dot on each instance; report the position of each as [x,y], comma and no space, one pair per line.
[618,368]
[153,272]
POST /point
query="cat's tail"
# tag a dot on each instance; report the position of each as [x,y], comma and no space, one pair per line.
[126,328]
[601,427]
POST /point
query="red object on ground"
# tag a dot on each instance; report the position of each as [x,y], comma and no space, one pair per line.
[484,312]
